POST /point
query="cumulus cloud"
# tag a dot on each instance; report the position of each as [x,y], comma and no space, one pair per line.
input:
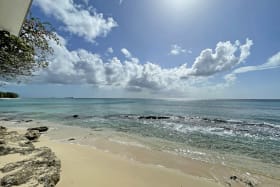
[86,23]
[83,67]
[129,56]
[177,50]
[126,53]
[223,58]
[272,63]
[80,66]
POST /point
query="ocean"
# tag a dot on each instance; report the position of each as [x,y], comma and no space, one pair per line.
[243,133]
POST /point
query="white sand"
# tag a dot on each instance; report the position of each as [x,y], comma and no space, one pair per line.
[84,166]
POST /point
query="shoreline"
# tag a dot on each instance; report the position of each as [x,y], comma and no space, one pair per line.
[135,157]
[88,166]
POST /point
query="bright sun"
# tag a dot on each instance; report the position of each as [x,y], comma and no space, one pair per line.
[178,5]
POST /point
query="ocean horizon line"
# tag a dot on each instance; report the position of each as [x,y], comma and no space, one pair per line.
[171,99]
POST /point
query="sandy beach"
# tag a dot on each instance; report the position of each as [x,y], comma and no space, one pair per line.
[85,166]
[87,160]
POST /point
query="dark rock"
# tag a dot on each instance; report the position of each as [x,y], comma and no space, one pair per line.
[147,117]
[249,183]
[153,117]
[75,116]
[242,180]
[3,129]
[32,135]
[243,130]
[163,117]
[71,139]
[219,120]
[40,129]
[6,119]
[29,120]
[227,128]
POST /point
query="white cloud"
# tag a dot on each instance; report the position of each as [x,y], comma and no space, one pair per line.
[126,53]
[129,56]
[86,23]
[245,50]
[177,50]
[224,58]
[83,67]
[120,2]
[110,50]
[272,63]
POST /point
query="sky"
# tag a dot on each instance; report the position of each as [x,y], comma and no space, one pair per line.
[189,49]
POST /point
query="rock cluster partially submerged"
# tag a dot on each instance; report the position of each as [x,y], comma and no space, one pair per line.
[153,117]
[40,166]
[241,180]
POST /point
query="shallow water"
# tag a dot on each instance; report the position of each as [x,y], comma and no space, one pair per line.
[213,130]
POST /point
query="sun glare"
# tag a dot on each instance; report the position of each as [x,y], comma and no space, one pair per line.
[178,5]
[177,8]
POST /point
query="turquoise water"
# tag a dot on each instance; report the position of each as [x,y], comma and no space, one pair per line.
[248,128]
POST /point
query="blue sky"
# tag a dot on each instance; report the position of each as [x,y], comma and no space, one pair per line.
[160,49]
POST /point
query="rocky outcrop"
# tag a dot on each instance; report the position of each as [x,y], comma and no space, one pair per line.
[153,117]
[241,180]
[40,166]
[40,129]
[75,116]
[11,142]
[32,135]
[3,129]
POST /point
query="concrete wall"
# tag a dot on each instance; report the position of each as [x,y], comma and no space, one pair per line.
[12,14]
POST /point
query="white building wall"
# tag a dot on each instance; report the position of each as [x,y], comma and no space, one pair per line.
[12,14]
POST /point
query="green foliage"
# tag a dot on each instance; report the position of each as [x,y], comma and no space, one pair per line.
[21,56]
[8,95]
